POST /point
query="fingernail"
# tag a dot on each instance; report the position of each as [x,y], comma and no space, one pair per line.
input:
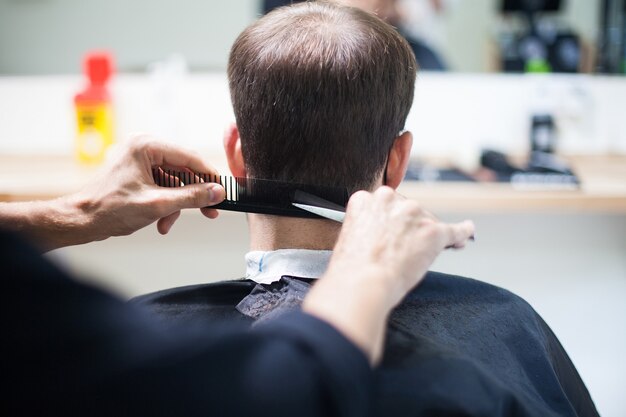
[214,190]
[471,224]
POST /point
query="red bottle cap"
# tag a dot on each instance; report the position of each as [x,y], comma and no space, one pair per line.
[98,67]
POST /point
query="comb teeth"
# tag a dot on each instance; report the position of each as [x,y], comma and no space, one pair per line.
[254,195]
[171,178]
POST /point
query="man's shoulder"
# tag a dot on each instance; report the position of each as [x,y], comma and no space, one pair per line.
[477,330]
[205,302]
[438,287]
[459,313]
[215,292]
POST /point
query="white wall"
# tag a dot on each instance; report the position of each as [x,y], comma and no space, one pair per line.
[36,114]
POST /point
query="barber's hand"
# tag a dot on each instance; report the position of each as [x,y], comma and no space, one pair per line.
[124,198]
[120,200]
[386,245]
[387,231]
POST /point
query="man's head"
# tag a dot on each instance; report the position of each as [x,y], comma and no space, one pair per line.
[321,93]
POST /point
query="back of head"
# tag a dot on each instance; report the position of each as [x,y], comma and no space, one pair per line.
[320,92]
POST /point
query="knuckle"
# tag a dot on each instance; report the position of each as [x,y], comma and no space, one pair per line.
[412,208]
[191,152]
[358,198]
[141,143]
[426,223]
[385,192]
[360,195]
[431,229]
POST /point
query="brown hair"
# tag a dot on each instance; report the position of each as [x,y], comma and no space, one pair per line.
[320,92]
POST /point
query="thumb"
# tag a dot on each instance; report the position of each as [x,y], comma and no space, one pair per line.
[193,196]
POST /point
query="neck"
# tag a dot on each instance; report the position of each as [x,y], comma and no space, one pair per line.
[274,232]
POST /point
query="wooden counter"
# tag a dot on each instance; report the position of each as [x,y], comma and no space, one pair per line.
[603,187]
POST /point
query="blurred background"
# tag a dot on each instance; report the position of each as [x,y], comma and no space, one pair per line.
[469,36]
[519,121]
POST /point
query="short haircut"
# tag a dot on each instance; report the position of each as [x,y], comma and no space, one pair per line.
[320,92]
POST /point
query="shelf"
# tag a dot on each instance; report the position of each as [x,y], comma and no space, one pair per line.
[603,186]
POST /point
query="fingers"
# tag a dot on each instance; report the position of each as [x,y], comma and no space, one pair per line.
[169,200]
[165,223]
[457,235]
[209,212]
[356,204]
[165,179]
[389,207]
[454,235]
[363,200]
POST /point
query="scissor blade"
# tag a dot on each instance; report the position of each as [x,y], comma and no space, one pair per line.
[335,215]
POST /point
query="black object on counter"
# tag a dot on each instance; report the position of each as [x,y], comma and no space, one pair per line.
[498,163]
[543,169]
[543,133]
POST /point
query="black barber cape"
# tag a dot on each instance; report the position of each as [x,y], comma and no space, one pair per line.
[69,349]
[455,346]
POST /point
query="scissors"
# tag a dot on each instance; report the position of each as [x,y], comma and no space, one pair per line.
[323,208]
[317,205]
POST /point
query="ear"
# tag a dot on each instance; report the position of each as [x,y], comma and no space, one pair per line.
[232,146]
[399,159]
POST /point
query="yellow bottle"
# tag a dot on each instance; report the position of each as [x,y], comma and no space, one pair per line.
[94,113]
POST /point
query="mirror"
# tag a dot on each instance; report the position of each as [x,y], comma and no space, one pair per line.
[572,36]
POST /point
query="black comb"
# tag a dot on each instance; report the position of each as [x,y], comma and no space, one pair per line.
[254,195]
